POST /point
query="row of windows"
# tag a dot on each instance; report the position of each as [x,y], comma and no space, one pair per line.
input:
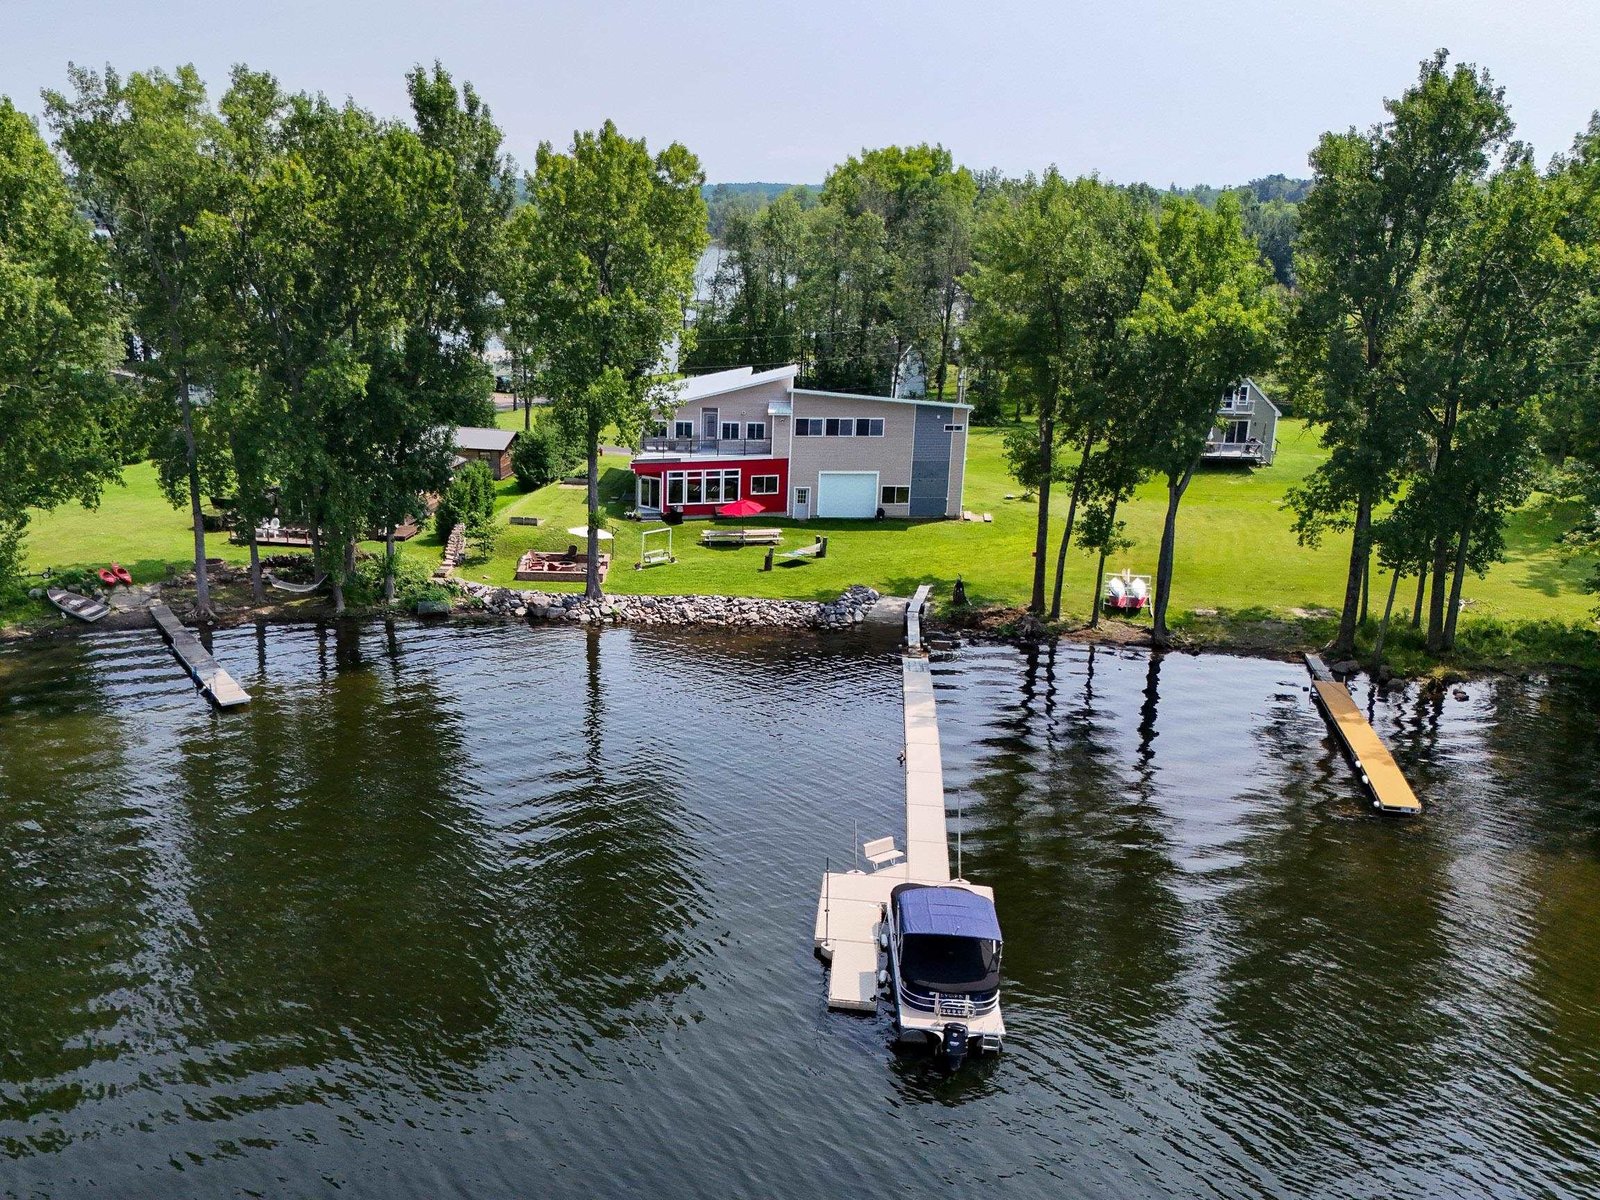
[838,427]
[727,431]
[701,487]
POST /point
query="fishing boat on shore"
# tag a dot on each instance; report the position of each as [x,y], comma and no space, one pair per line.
[76,605]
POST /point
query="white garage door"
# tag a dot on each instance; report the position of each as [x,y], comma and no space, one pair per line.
[847,493]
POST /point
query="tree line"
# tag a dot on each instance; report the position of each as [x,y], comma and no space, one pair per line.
[286,301]
[1427,300]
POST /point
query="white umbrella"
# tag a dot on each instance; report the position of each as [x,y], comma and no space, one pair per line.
[583,532]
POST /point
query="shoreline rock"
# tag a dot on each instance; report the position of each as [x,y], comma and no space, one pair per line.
[728,612]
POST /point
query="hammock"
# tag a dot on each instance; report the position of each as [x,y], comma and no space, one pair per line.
[299,589]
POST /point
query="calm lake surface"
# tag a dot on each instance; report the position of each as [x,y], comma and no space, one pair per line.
[495,910]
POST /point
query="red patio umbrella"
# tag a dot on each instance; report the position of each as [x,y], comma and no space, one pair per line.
[740,508]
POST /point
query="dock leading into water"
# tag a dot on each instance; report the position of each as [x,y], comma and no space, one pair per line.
[1375,766]
[853,905]
[215,684]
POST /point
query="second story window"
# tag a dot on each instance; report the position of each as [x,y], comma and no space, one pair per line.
[730,431]
[756,431]
[808,427]
[683,429]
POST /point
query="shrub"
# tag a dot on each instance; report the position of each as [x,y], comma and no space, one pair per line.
[482,536]
[412,579]
[468,499]
[542,455]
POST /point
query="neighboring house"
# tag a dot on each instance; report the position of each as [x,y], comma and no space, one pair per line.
[492,446]
[1247,428]
[747,435]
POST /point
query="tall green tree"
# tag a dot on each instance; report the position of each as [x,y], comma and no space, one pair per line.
[143,155]
[325,248]
[1056,267]
[61,416]
[1381,203]
[601,269]
[1204,322]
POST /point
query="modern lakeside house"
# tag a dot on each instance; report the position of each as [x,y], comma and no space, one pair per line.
[748,435]
[1246,430]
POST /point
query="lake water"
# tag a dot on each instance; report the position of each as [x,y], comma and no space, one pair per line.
[495,910]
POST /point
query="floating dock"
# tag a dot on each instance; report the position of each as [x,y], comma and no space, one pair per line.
[853,906]
[1378,771]
[215,684]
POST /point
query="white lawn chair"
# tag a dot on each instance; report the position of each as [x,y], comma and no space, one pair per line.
[881,852]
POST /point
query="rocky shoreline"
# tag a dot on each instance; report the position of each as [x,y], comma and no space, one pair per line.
[727,612]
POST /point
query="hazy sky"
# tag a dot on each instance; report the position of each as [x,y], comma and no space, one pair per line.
[1164,91]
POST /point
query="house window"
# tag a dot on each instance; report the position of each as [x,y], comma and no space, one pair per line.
[895,495]
[683,429]
[1238,433]
[658,429]
[730,431]
[808,427]
[763,485]
[841,427]
[869,426]
[953,428]
[702,487]
[649,491]
[756,431]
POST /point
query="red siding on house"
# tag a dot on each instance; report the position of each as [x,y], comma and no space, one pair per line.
[777,502]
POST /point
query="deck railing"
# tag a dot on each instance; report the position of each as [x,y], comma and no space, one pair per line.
[703,445]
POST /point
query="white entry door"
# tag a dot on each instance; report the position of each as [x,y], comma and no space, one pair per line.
[802,504]
[847,493]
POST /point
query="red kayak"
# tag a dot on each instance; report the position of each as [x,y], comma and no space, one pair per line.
[106,577]
[121,572]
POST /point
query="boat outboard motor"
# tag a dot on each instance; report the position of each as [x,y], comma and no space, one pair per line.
[955,1045]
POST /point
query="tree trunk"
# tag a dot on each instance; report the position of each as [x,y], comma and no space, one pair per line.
[1041,538]
[1164,562]
[1066,533]
[1383,628]
[1344,643]
[256,593]
[1422,584]
[202,580]
[1441,565]
[591,576]
[1366,584]
[1458,578]
[388,564]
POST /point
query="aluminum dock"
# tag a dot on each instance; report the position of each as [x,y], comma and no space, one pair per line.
[852,906]
[1375,766]
[215,684]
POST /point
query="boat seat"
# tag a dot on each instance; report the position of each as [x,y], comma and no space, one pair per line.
[880,852]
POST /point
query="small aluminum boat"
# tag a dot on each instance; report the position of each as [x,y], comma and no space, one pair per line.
[75,605]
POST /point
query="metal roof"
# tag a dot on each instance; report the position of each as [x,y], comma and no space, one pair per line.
[950,911]
[880,399]
[470,437]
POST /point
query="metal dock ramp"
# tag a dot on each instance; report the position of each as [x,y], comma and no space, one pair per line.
[215,684]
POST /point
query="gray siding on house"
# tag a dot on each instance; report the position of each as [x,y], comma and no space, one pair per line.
[930,462]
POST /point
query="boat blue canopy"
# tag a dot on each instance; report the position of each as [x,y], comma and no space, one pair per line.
[950,911]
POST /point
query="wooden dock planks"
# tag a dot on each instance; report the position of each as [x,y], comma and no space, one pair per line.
[1378,771]
[215,684]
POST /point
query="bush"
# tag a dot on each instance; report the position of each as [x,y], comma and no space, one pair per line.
[412,580]
[543,455]
[468,500]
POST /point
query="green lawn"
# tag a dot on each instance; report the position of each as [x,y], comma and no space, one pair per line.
[1236,549]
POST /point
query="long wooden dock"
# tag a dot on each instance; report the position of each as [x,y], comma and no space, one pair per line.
[215,684]
[852,907]
[1375,766]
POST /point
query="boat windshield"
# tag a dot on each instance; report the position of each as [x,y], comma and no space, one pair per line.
[931,962]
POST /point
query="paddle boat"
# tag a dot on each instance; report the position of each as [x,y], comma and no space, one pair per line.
[1127,593]
[944,959]
[76,605]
